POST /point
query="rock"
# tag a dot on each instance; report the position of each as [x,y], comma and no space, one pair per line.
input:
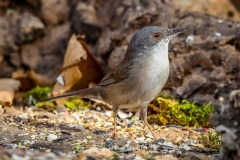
[227,122]
[229,138]
[190,85]
[77,127]
[31,51]
[109,143]
[177,140]
[7,48]
[55,11]
[52,137]
[116,56]
[235,98]
[186,147]
[159,141]
[6,70]
[15,59]
[55,40]
[27,28]
[102,153]
[218,74]
[85,21]
[7,44]
[122,115]
[165,147]
[108,113]
[100,132]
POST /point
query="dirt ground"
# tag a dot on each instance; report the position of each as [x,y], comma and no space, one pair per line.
[34,133]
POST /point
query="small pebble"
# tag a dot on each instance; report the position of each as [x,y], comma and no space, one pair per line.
[186,147]
[189,39]
[98,109]
[174,125]
[130,123]
[139,139]
[217,34]
[149,135]
[165,147]
[51,137]
[159,141]
[100,132]
[138,158]
[220,21]
[154,147]
[25,134]
[166,129]
[108,124]
[109,143]
[76,126]
[108,113]
[122,115]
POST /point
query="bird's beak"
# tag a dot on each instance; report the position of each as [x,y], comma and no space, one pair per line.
[176,32]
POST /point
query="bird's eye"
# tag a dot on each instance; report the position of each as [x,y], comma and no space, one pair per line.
[157,36]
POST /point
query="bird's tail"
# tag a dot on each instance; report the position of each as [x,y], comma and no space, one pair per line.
[90,93]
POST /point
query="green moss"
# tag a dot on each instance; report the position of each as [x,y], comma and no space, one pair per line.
[185,113]
[211,139]
[39,93]
[36,94]
[77,147]
[48,105]
[76,104]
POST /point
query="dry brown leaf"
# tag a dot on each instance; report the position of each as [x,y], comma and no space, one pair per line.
[79,68]
[31,79]
[39,79]
[70,72]
[7,89]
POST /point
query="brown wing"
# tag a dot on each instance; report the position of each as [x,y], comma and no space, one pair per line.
[120,73]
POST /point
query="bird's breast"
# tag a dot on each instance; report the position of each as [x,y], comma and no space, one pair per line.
[146,79]
[153,74]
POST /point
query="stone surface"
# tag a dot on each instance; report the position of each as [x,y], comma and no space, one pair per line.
[34,132]
[27,28]
[55,11]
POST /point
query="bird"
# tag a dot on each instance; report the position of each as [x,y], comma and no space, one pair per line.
[139,78]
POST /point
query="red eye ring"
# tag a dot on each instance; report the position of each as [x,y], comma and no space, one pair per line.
[157,36]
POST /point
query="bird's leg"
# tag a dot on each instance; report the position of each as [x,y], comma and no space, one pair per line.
[143,115]
[115,110]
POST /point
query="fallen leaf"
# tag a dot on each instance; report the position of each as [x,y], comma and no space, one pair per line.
[31,79]
[7,89]
[79,68]
[39,79]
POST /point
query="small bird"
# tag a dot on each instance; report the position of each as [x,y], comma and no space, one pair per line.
[139,78]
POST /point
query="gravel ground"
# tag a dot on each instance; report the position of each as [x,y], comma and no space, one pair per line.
[34,133]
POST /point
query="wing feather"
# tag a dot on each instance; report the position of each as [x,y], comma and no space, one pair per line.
[120,73]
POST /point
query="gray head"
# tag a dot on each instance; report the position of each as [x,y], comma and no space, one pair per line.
[149,38]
